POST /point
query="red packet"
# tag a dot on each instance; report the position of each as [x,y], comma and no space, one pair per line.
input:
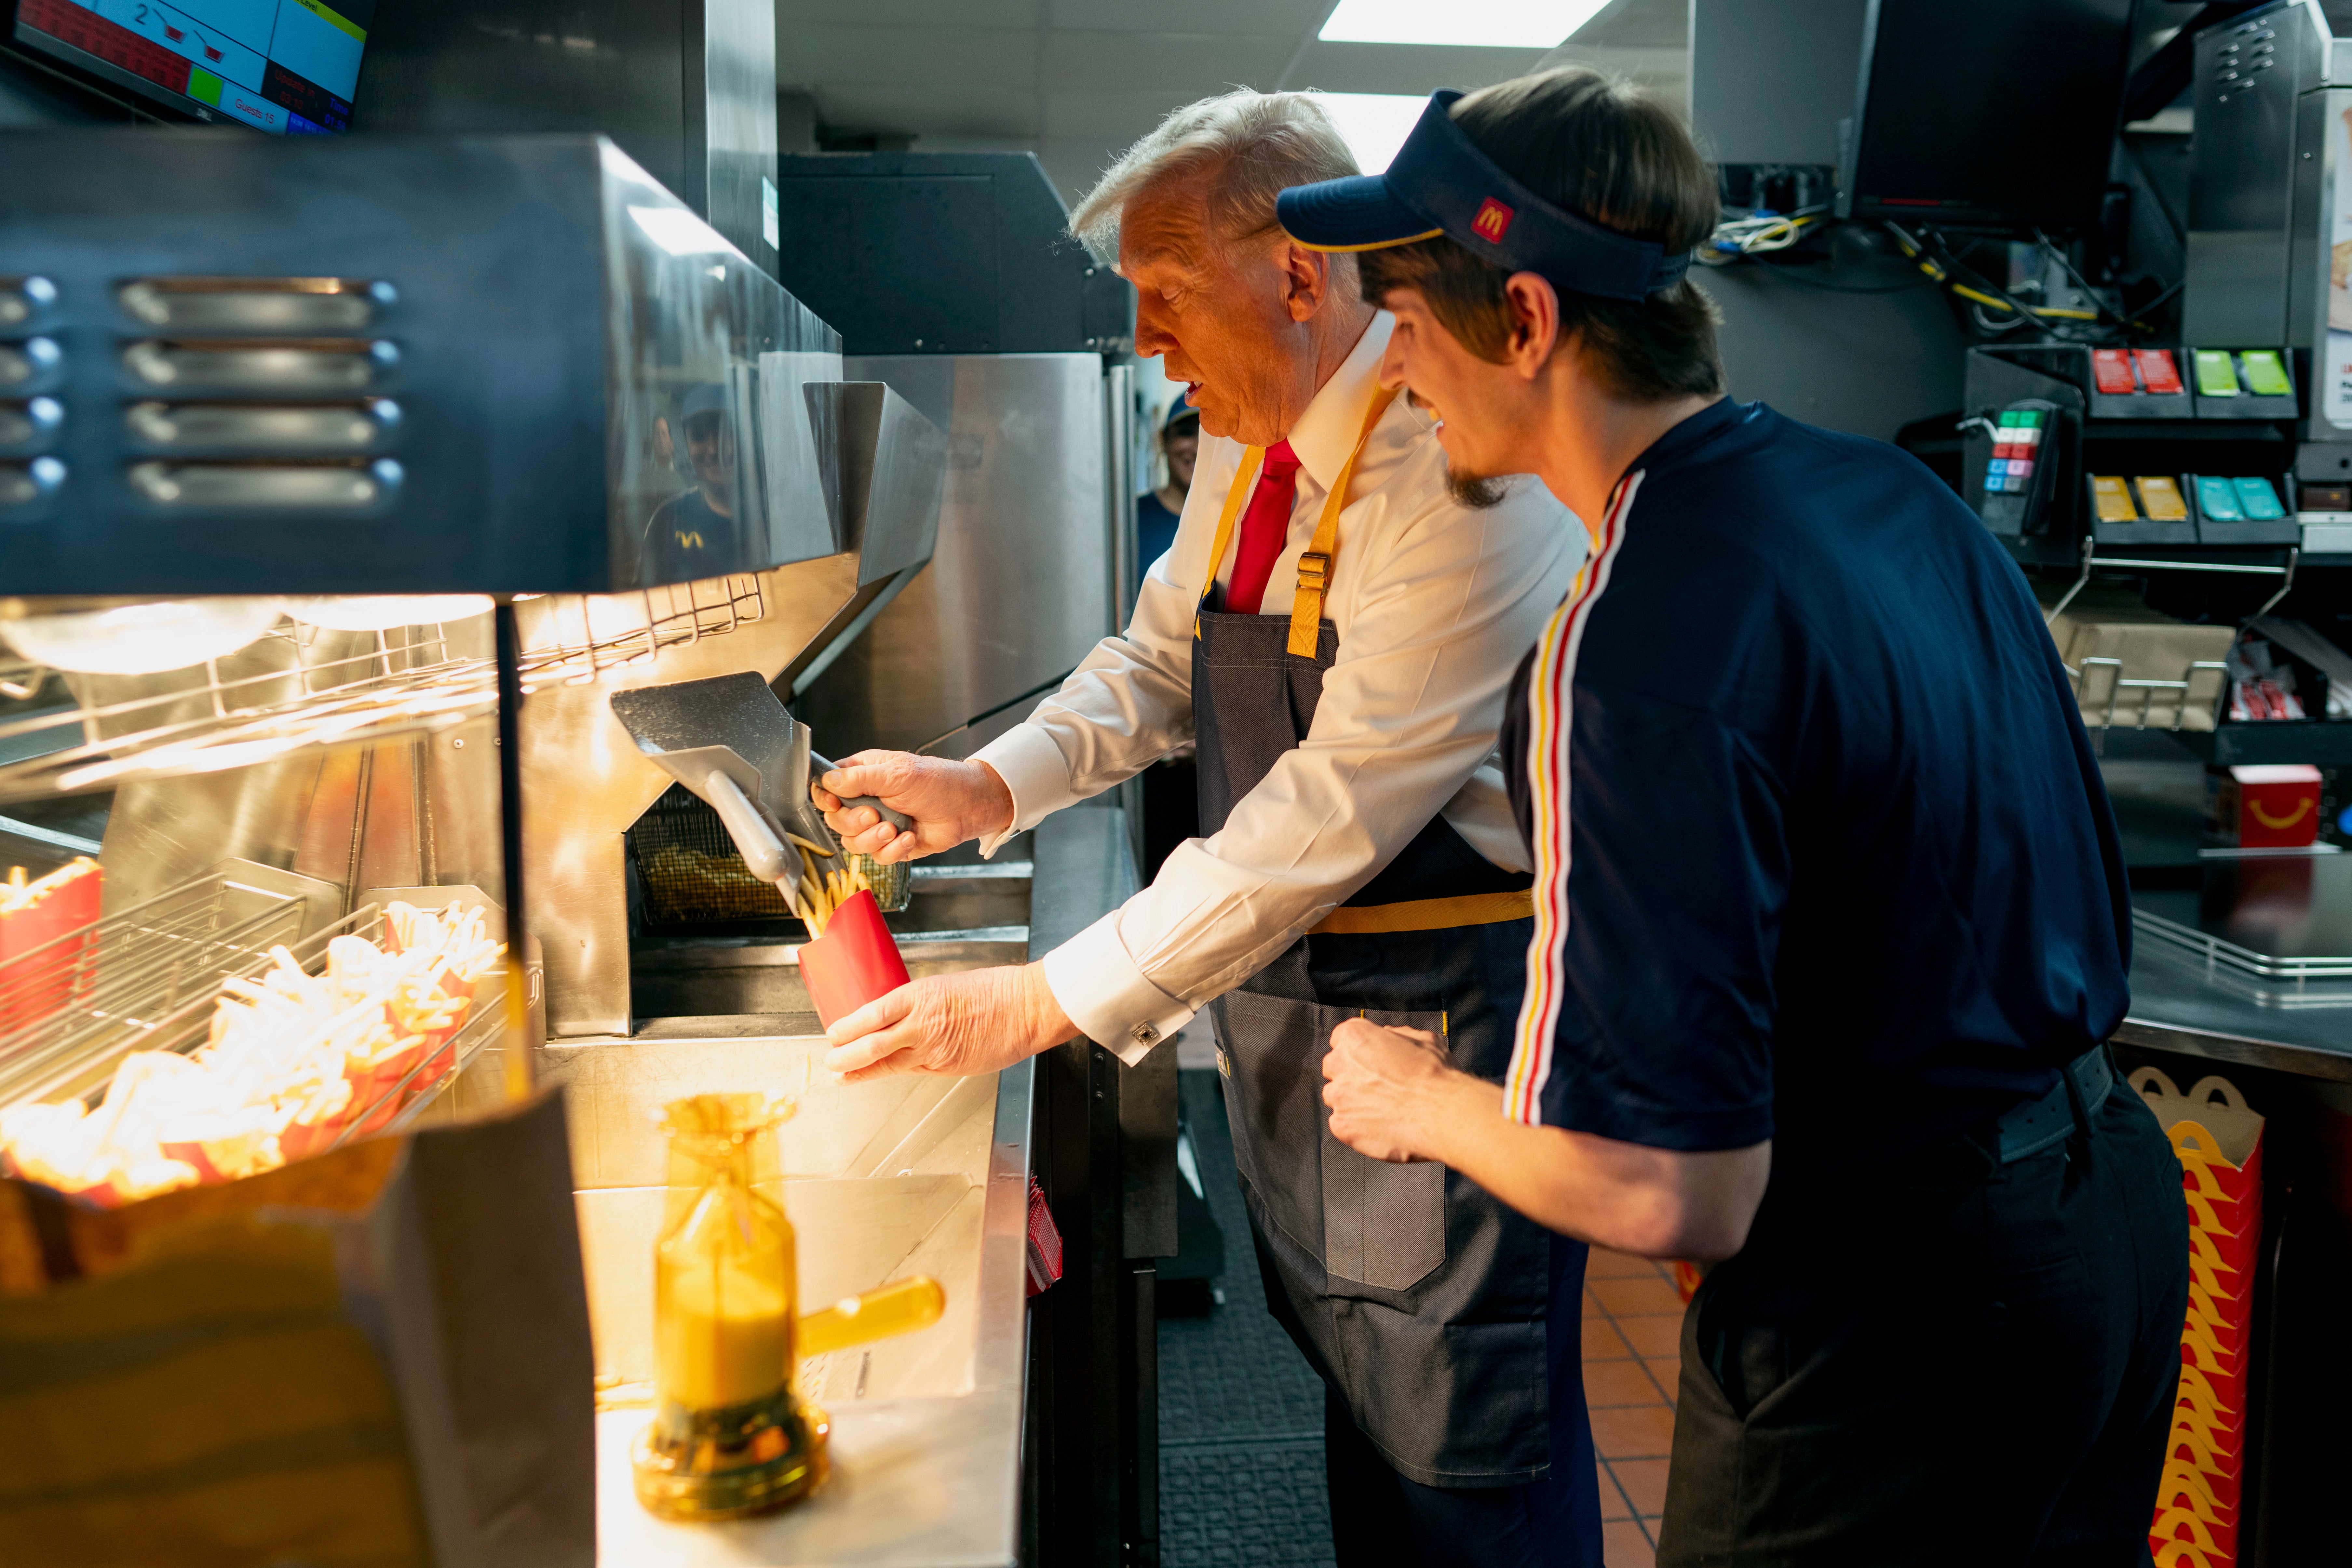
[44,941]
[855,961]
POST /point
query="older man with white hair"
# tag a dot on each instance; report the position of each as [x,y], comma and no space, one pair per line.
[1336,625]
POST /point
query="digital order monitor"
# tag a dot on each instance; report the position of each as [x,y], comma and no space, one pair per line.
[282,66]
[1999,113]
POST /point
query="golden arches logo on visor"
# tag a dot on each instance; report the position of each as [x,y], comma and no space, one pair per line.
[1493,222]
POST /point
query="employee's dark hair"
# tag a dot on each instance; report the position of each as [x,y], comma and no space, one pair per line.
[1603,147]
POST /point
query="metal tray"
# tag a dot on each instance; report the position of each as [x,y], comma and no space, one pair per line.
[2276,919]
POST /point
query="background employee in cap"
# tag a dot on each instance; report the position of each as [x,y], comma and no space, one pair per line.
[1832,918]
[1337,629]
[1156,511]
[1172,786]
[697,526]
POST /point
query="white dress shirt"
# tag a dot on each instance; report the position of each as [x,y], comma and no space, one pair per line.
[1435,604]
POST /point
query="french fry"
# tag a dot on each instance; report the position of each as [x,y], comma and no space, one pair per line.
[291,1060]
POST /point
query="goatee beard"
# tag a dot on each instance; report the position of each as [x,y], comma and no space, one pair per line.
[1476,491]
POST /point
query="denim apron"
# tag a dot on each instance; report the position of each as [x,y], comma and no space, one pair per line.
[1418,1297]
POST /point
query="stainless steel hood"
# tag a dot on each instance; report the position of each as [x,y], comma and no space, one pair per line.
[393,365]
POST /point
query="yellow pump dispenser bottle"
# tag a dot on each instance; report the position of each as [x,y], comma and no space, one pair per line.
[730,1437]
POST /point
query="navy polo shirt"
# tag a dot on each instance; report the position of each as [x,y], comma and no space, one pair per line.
[1822,854]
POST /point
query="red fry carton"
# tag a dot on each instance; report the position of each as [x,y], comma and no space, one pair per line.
[854,962]
[44,941]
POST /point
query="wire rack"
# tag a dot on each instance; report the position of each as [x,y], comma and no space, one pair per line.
[691,872]
[95,991]
[163,998]
[2133,700]
[410,680]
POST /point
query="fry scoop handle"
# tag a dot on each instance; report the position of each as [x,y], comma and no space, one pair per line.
[820,766]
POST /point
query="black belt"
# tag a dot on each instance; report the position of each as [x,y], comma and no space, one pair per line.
[2083,1087]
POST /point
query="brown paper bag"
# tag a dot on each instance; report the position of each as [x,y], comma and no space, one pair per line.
[379,1357]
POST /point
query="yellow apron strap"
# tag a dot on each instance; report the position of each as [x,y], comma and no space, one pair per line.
[1235,495]
[1427,914]
[1315,564]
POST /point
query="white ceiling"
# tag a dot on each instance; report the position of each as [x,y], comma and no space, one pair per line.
[1075,81]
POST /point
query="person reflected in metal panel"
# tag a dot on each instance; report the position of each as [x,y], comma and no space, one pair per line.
[1156,511]
[1172,786]
[692,531]
[1336,627]
[1833,922]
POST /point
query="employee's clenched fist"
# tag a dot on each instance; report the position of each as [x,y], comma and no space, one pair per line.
[977,1021]
[948,802]
[1381,1084]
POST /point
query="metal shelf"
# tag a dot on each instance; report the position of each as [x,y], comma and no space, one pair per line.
[311,692]
[2321,743]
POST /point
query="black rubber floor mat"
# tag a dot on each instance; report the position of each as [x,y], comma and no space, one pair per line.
[1241,1413]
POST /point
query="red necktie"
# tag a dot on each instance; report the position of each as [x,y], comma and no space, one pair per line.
[1265,528]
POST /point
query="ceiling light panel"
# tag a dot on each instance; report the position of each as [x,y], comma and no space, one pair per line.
[1372,124]
[1493,24]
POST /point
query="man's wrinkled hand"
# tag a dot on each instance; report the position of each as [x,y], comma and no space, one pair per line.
[948,802]
[1382,1085]
[978,1021]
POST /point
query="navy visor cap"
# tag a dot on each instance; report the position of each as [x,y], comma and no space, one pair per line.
[1440,183]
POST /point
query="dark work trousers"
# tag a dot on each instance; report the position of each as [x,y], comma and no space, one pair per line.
[1380,1520]
[1958,1361]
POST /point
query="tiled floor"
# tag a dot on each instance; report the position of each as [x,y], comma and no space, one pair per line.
[1241,1457]
[1633,1334]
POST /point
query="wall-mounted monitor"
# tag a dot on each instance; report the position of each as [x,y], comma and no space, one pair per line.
[1992,113]
[282,66]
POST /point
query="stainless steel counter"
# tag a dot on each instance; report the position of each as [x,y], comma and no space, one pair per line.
[904,1177]
[2180,1003]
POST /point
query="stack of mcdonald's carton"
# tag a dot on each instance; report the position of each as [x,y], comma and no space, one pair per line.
[2220,1142]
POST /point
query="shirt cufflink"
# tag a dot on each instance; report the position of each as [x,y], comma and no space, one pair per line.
[1031,765]
[1107,997]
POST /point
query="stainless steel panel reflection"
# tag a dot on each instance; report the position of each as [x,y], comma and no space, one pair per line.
[732,119]
[799,453]
[619,1086]
[692,320]
[22,299]
[28,423]
[232,427]
[340,367]
[265,483]
[1019,585]
[22,484]
[305,814]
[890,473]
[693,988]
[289,308]
[28,366]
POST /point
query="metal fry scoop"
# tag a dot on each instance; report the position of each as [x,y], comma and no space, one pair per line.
[731,741]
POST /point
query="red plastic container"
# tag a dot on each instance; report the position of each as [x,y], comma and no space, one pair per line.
[855,961]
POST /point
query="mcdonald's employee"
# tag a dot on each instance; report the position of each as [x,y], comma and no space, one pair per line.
[1337,624]
[1831,917]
